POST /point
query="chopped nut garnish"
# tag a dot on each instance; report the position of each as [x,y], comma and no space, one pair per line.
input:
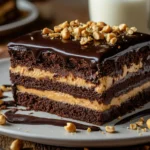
[96,35]
[101,24]
[109,36]
[130,32]
[57,28]
[106,29]
[1,102]
[148,123]
[84,33]
[85,40]
[144,130]
[47,31]
[70,127]
[133,126]
[89,23]
[134,29]
[89,130]
[65,34]
[2,119]
[122,27]
[110,129]
[90,31]
[142,119]
[77,31]
[140,123]
[16,145]
[64,24]
[115,29]
[54,35]
[95,28]
[113,41]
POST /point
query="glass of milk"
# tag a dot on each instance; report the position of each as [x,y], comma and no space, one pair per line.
[114,12]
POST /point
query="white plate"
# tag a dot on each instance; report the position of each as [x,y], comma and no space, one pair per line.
[54,135]
[23,5]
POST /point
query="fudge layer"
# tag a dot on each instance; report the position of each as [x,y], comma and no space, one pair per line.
[92,83]
[8,11]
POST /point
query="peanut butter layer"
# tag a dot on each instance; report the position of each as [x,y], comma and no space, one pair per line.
[94,105]
[105,82]
[6,7]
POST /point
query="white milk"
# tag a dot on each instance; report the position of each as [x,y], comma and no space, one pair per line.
[115,12]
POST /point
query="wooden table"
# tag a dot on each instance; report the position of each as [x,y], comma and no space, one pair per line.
[62,10]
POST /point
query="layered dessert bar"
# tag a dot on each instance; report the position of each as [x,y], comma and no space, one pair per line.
[8,11]
[86,71]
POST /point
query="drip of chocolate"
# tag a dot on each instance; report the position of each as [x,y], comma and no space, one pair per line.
[134,116]
[12,117]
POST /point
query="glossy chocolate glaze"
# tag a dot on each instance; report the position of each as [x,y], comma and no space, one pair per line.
[12,117]
[134,116]
[92,53]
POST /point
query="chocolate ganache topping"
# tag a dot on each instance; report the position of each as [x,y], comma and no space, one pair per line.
[94,51]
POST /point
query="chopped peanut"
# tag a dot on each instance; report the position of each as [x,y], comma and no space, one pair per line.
[113,41]
[64,24]
[47,31]
[57,28]
[65,34]
[133,126]
[2,119]
[134,29]
[70,127]
[54,35]
[16,145]
[90,31]
[122,27]
[110,129]
[140,123]
[101,24]
[109,36]
[89,130]
[96,35]
[115,29]
[148,123]
[106,29]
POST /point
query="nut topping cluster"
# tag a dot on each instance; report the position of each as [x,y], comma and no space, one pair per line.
[88,32]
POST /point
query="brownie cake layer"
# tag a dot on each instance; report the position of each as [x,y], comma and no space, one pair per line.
[82,113]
